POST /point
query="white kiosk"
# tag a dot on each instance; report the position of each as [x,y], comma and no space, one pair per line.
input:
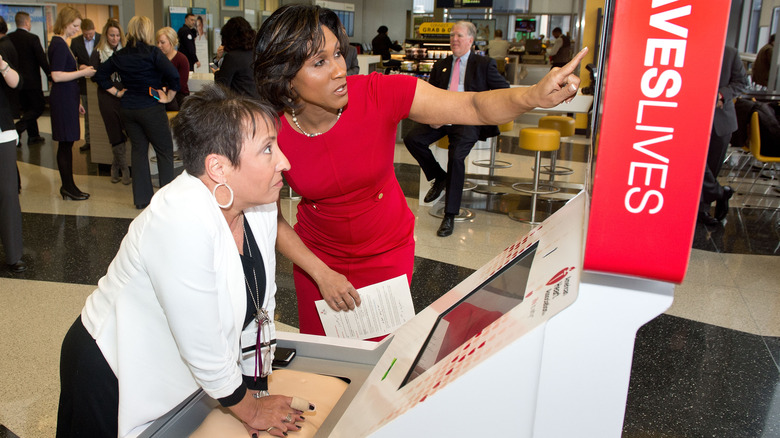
[526,339]
[539,341]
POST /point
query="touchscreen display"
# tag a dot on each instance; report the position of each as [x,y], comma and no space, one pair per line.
[496,296]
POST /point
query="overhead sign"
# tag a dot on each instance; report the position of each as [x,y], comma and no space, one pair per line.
[659,97]
[435,28]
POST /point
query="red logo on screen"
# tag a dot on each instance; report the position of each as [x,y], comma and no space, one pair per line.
[560,276]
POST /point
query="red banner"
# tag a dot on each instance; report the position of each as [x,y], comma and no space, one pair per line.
[659,96]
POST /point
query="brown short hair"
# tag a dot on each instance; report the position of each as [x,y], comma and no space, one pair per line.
[216,120]
[21,18]
[65,16]
[87,24]
[289,37]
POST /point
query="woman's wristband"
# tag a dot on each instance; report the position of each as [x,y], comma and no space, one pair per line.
[116,92]
[7,66]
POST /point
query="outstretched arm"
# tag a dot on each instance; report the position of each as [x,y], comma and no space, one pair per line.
[435,106]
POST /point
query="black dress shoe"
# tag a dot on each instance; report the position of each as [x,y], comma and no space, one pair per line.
[73,196]
[722,204]
[435,191]
[35,140]
[84,147]
[447,225]
[706,219]
[141,206]
[18,267]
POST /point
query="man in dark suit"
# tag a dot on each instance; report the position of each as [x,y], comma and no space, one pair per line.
[82,47]
[732,83]
[31,60]
[187,34]
[472,73]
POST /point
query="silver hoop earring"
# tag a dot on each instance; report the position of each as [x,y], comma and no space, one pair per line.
[214,193]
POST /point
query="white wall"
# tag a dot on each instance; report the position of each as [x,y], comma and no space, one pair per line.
[391,13]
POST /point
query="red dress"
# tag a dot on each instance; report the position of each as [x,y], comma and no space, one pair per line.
[353,214]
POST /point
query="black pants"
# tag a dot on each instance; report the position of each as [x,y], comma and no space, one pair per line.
[144,126]
[89,390]
[711,190]
[10,211]
[462,139]
[32,104]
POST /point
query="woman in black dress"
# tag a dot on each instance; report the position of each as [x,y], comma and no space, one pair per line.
[64,98]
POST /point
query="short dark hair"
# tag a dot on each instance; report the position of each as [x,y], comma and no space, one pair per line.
[189,15]
[237,34]
[216,120]
[21,18]
[557,29]
[87,24]
[289,37]
[3,26]
[382,29]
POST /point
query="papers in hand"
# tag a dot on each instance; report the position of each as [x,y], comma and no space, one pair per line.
[384,307]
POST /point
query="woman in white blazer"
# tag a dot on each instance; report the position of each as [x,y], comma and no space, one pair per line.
[190,287]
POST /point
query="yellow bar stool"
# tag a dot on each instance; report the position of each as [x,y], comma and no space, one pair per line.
[492,187]
[538,140]
[755,150]
[464,213]
[565,126]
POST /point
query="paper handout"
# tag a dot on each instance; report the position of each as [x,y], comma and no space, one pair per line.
[384,307]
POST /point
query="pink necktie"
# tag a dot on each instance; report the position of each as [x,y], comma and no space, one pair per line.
[455,77]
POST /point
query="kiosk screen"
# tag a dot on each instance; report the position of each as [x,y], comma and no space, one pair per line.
[497,295]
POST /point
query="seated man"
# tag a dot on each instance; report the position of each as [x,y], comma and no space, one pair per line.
[471,73]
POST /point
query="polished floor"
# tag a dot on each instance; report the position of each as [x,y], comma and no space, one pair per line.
[708,367]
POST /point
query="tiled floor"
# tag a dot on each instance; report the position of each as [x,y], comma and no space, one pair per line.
[708,367]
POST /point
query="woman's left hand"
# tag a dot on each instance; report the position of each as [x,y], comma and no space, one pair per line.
[272,414]
[82,111]
[558,86]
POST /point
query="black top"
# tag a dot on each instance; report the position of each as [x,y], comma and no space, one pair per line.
[381,45]
[253,266]
[31,58]
[236,72]
[141,66]
[187,44]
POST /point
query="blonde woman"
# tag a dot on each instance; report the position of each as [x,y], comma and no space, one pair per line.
[167,42]
[65,97]
[145,74]
[112,41]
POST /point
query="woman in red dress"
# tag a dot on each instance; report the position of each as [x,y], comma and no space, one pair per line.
[354,227]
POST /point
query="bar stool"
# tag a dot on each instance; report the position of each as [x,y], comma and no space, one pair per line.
[492,187]
[565,126]
[538,140]
[464,213]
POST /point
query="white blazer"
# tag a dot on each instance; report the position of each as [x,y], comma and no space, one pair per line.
[168,314]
